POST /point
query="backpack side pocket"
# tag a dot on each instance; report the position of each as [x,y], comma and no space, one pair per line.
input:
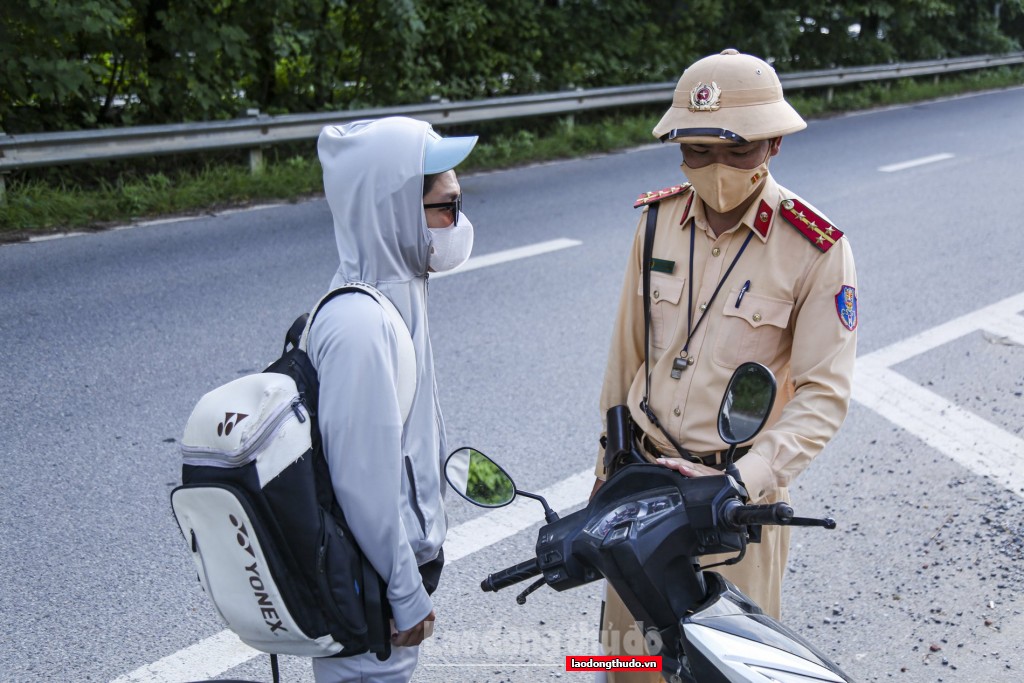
[237,571]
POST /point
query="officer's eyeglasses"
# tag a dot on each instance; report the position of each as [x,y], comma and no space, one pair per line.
[453,207]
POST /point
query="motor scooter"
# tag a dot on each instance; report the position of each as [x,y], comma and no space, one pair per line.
[645,530]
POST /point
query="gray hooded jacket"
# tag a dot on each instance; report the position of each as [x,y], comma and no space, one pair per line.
[386,475]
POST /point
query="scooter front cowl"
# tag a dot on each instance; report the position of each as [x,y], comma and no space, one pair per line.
[729,639]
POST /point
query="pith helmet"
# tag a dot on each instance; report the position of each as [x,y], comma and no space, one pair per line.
[728,97]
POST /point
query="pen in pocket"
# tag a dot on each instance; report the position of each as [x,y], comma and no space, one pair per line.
[743,290]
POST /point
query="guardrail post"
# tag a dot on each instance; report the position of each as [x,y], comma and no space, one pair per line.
[3,180]
[570,119]
[829,93]
[256,163]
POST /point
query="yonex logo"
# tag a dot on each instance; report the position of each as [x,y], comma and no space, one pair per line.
[230,420]
[264,602]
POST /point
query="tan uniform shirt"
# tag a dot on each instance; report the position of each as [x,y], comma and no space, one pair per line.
[790,318]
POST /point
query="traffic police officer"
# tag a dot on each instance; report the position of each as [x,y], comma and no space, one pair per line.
[742,270]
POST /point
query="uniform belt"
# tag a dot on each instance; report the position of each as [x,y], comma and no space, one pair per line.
[714,459]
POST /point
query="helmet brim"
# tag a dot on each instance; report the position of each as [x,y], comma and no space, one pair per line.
[750,123]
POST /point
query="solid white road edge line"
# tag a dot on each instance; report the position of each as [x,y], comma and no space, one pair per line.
[153,222]
[891,168]
[507,255]
[1000,318]
[975,443]
[961,435]
[206,659]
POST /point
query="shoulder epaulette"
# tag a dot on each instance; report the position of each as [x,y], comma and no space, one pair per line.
[656,196]
[812,226]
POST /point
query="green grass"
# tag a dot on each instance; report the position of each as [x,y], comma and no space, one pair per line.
[77,198]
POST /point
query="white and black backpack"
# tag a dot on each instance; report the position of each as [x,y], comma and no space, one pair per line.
[256,506]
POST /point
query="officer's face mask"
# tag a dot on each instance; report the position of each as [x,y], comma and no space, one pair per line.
[724,187]
[450,247]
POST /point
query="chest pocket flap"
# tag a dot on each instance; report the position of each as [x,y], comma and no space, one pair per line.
[753,332]
[663,288]
[665,294]
[758,310]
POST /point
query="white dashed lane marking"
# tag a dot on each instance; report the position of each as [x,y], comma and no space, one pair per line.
[500,257]
[902,166]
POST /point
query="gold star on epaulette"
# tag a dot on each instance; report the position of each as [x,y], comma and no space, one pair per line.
[796,213]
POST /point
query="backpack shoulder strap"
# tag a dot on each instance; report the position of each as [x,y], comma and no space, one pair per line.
[406,350]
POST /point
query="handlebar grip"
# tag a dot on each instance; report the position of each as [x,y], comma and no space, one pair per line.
[507,577]
[743,515]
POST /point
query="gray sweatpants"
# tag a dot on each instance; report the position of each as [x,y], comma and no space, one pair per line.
[367,668]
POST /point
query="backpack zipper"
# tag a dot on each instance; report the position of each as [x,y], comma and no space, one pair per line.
[202,456]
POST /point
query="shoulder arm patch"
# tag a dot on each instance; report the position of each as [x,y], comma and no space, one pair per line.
[656,196]
[809,224]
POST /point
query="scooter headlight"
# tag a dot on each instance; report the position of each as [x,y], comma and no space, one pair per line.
[643,511]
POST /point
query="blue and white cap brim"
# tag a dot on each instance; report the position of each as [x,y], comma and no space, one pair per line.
[444,154]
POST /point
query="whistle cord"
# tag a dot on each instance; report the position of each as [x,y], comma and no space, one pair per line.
[689,310]
[651,225]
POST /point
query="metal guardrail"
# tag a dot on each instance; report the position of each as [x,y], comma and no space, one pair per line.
[260,131]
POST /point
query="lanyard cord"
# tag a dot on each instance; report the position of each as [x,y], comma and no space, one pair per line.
[689,307]
[652,222]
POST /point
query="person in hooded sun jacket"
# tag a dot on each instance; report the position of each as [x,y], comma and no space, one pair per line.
[396,206]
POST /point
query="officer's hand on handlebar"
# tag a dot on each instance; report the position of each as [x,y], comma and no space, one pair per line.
[416,634]
[684,467]
[688,469]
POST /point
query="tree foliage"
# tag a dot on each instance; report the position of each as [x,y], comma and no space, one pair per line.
[69,64]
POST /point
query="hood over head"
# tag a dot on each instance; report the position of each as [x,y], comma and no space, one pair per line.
[373,180]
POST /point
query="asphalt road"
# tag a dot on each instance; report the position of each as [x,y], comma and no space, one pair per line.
[109,339]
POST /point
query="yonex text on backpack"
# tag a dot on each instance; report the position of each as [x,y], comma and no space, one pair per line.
[257,508]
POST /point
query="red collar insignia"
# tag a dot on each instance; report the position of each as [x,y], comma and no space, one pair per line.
[763,219]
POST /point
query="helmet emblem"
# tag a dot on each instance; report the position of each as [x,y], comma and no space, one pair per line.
[705,97]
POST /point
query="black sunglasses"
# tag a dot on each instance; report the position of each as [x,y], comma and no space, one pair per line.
[453,207]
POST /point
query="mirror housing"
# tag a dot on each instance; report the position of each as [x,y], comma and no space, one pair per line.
[747,403]
[478,479]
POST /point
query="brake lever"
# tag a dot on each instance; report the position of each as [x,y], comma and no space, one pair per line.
[827,522]
[521,598]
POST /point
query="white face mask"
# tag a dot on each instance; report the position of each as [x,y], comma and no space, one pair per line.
[723,187]
[450,247]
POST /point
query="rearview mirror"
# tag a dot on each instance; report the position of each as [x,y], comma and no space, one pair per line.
[747,403]
[479,479]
